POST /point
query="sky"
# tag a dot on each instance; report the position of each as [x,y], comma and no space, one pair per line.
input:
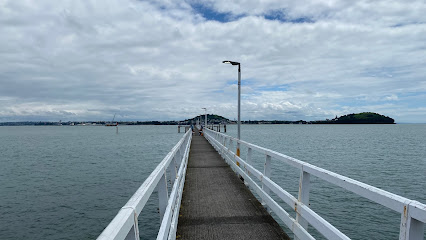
[74,60]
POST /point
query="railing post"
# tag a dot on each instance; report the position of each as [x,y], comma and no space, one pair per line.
[179,157]
[304,188]
[163,195]
[230,146]
[249,156]
[249,162]
[238,152]
[410,228]
[219,139]
[134,232]
[223,142]
[173,169]
[267,173]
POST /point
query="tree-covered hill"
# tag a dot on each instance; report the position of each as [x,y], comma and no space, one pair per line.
[211,118]
[365,117]
[360,118]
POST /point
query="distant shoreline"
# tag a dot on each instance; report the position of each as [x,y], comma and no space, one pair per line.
[177,124]
[358,118]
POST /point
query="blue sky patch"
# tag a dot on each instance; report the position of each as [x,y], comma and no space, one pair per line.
[244,82]
[280,15]
[210,14]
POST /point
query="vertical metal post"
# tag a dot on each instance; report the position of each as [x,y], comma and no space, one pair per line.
[304,188]
[231,145]
[410,228]
[249,161]
[179,157]
[181,153]
[173,168]
[239,109]
[223,141]
[221,145]
[267,173]
[163,195]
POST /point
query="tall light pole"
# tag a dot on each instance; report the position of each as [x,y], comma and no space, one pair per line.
[239,102]
[205,121]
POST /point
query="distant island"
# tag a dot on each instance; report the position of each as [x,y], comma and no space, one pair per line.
[359,118]
[354,118]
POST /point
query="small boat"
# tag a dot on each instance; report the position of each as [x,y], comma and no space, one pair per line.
[110,124]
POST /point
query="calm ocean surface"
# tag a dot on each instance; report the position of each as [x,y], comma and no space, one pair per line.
[68,182]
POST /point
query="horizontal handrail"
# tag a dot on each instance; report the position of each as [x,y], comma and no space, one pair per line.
[125,223]
[174,202]
[413,213]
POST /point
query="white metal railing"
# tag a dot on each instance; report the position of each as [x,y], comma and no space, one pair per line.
[413,213]
[125,223]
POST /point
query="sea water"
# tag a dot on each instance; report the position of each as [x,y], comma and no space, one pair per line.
[390,157]
[68,182]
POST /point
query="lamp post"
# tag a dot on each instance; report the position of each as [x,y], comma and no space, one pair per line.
[205,120]
[239,102]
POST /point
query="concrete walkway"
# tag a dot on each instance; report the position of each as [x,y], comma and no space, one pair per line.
[217,205]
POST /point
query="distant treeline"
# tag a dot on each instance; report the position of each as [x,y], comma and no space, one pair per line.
[358,118]
[88,123]
[273,122]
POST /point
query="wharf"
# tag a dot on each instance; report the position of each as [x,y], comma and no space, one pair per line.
[216,204]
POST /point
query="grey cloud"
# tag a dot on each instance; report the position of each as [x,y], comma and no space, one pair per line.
[159,60]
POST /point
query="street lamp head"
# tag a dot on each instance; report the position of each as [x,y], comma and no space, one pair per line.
[231,62]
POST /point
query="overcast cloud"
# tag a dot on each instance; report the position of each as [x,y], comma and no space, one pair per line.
[162,60]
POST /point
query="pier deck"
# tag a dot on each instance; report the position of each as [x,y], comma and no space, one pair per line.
[217,205]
